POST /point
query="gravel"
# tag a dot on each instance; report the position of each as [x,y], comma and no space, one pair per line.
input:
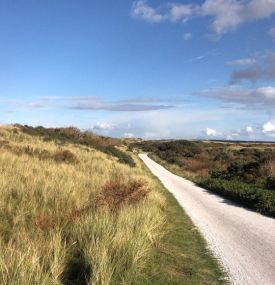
[242,240]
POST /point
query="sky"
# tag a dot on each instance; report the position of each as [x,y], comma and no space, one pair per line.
[153,69]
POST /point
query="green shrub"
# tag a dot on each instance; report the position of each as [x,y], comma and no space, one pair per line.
[122,156]
[270,182]
[258,199]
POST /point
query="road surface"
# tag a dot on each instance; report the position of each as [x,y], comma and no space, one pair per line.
[242,240]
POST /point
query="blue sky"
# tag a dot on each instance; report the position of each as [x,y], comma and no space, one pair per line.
[151,69]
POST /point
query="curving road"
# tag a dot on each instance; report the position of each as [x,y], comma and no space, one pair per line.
[242,240]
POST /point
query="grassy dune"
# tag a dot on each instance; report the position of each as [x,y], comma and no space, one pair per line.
[72,214]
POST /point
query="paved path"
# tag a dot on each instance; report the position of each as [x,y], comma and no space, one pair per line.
[243,241]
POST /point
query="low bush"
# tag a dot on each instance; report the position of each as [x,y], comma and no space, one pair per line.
[258,199]
[270,182]
[64,156]
[117,193]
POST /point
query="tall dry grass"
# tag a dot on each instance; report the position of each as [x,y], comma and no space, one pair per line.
[57,220]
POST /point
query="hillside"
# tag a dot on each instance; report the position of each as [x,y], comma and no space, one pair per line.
[77,208]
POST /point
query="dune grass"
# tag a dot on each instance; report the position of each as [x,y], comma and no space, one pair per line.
[71,214]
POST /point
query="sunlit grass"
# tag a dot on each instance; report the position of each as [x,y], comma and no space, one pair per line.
[43,242]
[73,214]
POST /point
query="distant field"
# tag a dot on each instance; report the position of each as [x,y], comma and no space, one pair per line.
[76,208]
[241,171]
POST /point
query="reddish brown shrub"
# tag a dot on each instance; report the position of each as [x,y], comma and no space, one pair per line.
[44,222]
[65,156]
[115,193]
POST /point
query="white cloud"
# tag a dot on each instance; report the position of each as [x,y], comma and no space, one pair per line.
[129,135]
[226,15]
[242,61]
[268,127]
[267,92]
[141,10]
[211,132]
[180,12]
[103,126]
[229,14]
[249,129]
[187,36]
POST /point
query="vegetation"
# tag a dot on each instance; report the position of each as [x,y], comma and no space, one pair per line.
[242,172]
[73,213]
[87,138]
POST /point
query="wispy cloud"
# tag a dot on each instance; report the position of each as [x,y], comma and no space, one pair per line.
[92,103]
[242,61]
[226,15]
[141,10]
[251,97]
[187,36]
[173,12]
[203,56]
[180,12]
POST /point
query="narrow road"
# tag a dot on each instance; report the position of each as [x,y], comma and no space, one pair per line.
[242,240]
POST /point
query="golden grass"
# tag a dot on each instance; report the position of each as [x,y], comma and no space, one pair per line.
[51,224]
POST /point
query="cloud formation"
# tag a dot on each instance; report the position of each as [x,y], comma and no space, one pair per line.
[258,71]
[229,14]
[242,61]
[253,97]
[226,15]
[211,132]
[268,127]
[129,135]
[141,10]
[92,103]
[102,126]
[180,12]
[172,12]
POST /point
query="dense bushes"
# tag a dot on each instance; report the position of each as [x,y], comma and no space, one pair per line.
[270,182]
[244,173]
[261,200]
